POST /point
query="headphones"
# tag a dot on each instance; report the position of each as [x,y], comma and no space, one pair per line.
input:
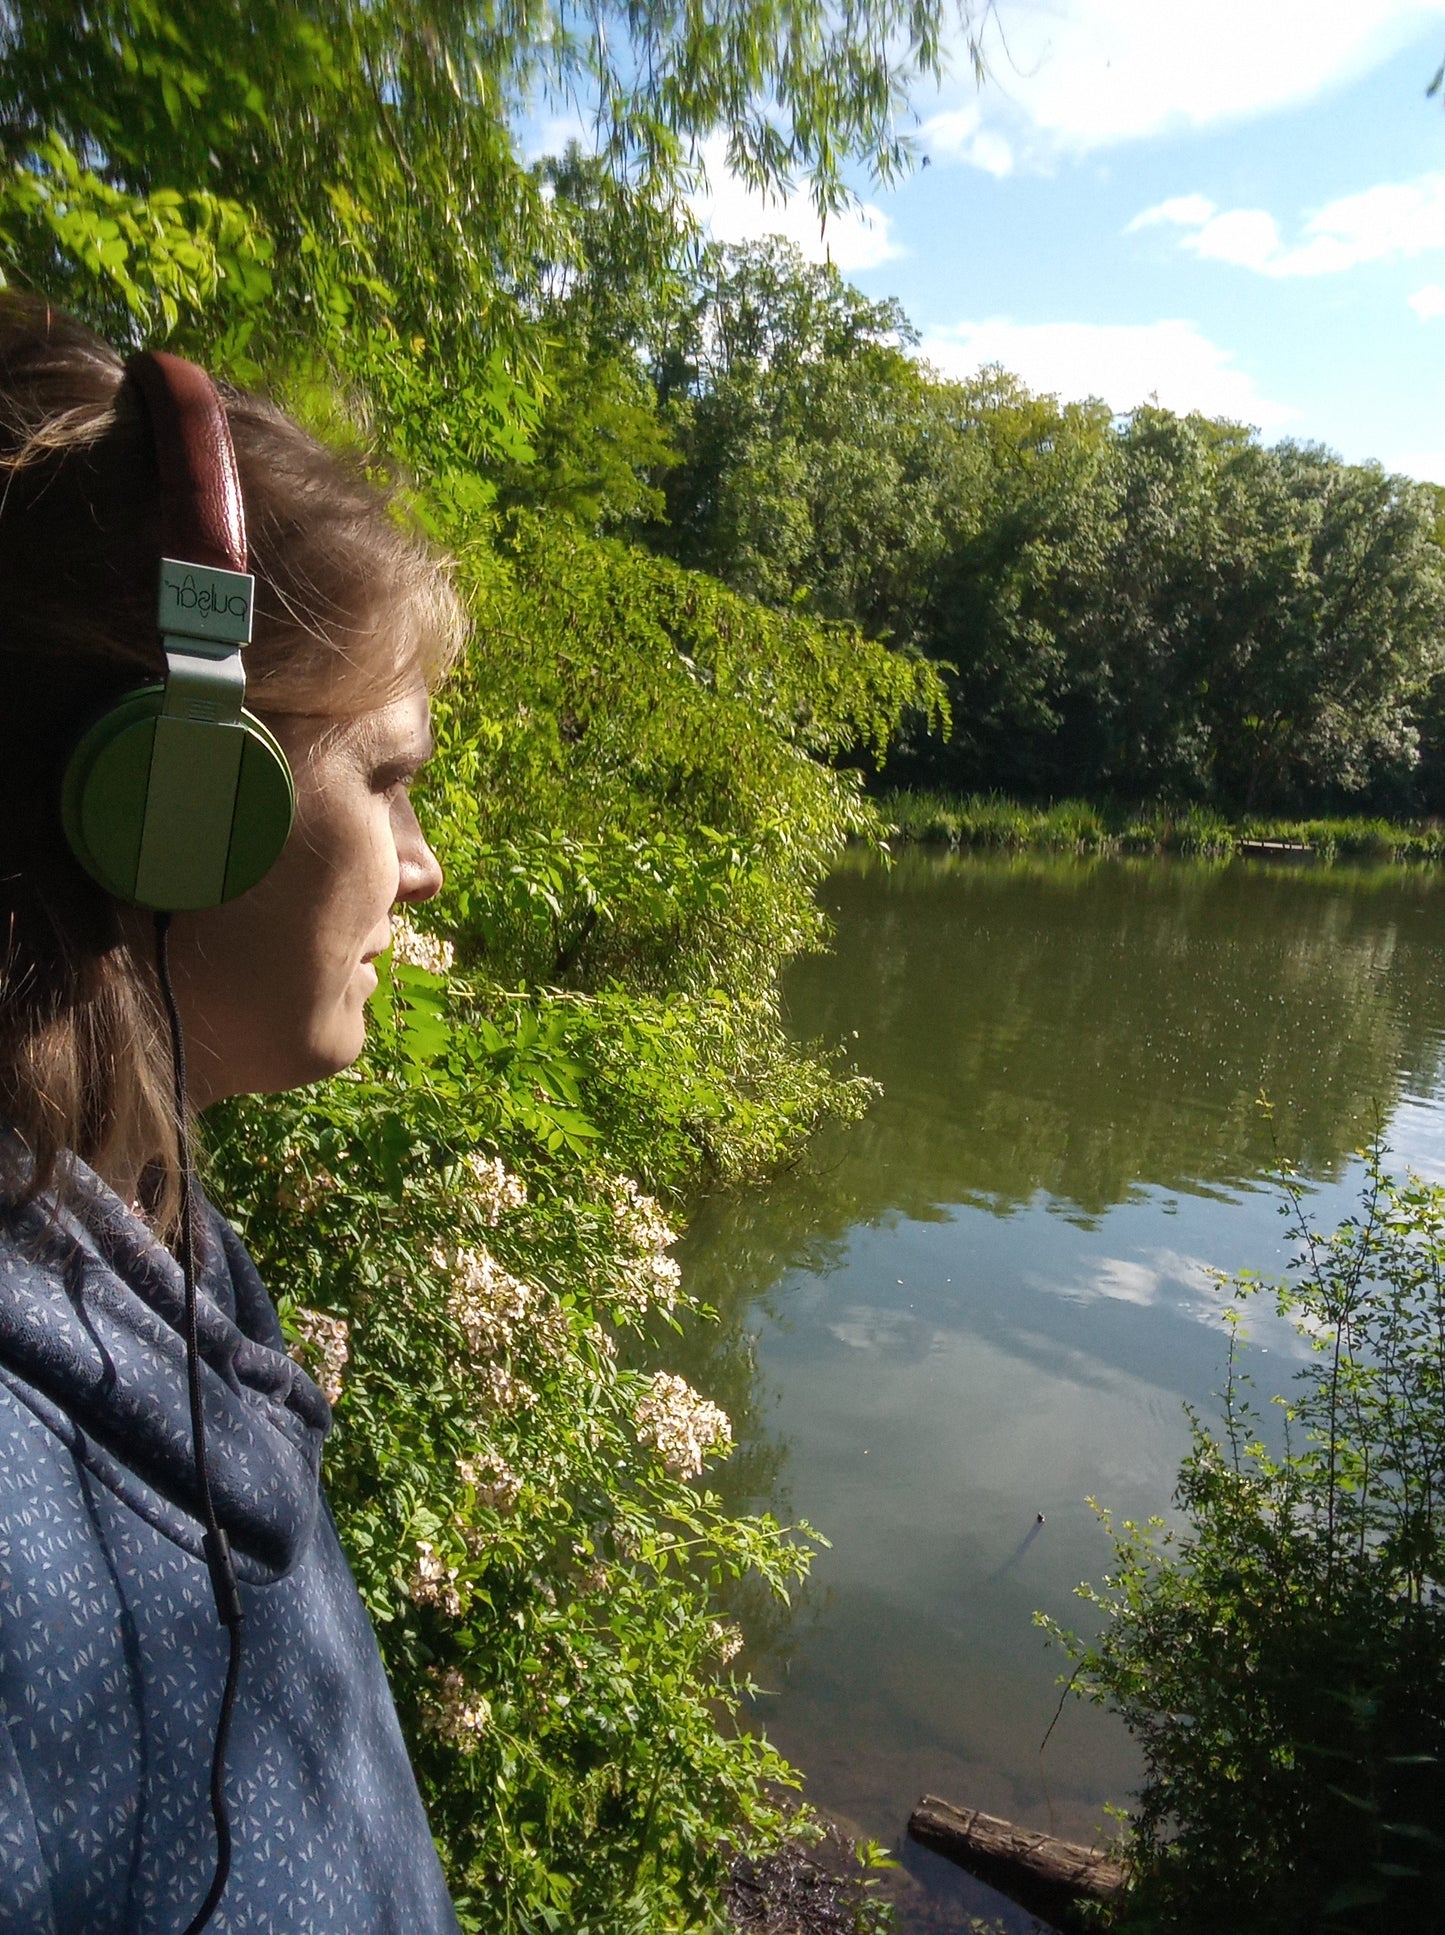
[177,798]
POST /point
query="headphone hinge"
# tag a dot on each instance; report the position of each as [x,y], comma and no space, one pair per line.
[204,683]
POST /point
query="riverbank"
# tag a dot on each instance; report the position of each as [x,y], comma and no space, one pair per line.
[840,1885]
[988,820]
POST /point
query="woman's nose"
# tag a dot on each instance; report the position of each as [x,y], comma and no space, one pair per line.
[420,873]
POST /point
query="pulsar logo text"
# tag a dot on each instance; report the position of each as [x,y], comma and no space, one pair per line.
[203,599]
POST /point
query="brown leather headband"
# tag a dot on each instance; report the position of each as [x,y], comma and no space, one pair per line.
[203,520]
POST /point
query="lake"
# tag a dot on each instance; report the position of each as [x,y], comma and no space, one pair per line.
[994,1297]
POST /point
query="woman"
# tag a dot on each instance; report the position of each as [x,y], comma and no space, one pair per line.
[112,1664]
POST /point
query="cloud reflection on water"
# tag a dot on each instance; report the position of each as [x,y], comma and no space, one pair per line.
[993,1298]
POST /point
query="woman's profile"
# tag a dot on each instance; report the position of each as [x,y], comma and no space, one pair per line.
[113,1666]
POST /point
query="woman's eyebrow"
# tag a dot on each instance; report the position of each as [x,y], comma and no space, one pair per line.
[406,758]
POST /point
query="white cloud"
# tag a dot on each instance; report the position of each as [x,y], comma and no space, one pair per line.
[1074,75]
[1391,222]
[1188,211]
[858,238]
[958,135]
[1428,302]
[1247,237]
[1125,363]
[1146,1278]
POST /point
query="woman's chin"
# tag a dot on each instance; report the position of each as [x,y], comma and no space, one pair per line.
[329,1053]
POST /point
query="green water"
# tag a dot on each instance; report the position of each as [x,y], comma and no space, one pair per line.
[992,1298]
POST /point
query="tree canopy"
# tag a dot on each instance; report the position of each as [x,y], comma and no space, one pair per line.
[331,176]
[1149,605]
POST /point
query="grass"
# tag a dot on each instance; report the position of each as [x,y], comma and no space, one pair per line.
[989,820]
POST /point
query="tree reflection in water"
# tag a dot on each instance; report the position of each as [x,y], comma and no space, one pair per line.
[1071,1056]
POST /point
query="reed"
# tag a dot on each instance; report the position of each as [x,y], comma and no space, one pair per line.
[993,821]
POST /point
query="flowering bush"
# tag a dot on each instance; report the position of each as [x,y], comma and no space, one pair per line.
[516,1504]
[683,1428]
[474,1216]
[320,1343]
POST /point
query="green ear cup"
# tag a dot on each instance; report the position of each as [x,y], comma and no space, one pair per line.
[112,800]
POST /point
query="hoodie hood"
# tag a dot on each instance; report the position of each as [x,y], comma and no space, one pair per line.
[92,1310]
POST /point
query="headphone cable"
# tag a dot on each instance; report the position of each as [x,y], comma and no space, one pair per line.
[216,1545]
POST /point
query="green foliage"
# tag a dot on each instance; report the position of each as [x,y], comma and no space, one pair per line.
[819,466]
[1280,1655]
[1158,605]
[632,798]
[148,258]
[675,731]
[376,151]
[1168,607]
[543,1584]
[632,818]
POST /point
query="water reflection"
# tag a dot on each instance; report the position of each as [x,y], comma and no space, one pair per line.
[988,1301]
[1040,1025]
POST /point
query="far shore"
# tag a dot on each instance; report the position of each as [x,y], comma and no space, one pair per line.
[991,820]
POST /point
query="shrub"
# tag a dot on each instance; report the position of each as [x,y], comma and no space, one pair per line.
[461,1230]
[1281,1655]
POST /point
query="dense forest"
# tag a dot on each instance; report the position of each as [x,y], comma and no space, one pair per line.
[1151,606]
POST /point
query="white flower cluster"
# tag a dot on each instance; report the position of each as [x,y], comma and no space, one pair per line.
[727,1642]
[681,1426]
[433,1582]
[454,1715]
[497,1191]
[323,1347]
[503,1392]
[649,1276]
[493,1481]
[412,948]
[486,1299]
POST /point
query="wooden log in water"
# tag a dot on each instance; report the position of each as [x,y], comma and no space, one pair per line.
[1049,1878]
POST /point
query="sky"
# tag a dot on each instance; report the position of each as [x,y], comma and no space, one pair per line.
[1235,206]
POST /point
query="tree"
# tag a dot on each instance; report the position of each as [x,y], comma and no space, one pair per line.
[818,464]
[369,163]
[1165,607]
[1279,1654]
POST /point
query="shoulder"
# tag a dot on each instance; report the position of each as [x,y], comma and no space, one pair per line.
[253,1311]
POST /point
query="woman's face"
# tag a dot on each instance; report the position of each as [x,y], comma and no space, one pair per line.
[273,985]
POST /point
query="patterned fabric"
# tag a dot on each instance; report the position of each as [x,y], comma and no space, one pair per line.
[111,1658]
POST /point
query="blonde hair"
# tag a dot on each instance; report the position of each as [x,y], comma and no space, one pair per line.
[349,608]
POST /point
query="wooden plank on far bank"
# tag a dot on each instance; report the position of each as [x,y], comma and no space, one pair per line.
[1050,1878]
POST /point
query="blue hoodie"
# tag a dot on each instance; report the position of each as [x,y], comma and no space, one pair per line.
[111,1658]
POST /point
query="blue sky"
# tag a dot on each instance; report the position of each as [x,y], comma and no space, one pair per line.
[1235,205]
